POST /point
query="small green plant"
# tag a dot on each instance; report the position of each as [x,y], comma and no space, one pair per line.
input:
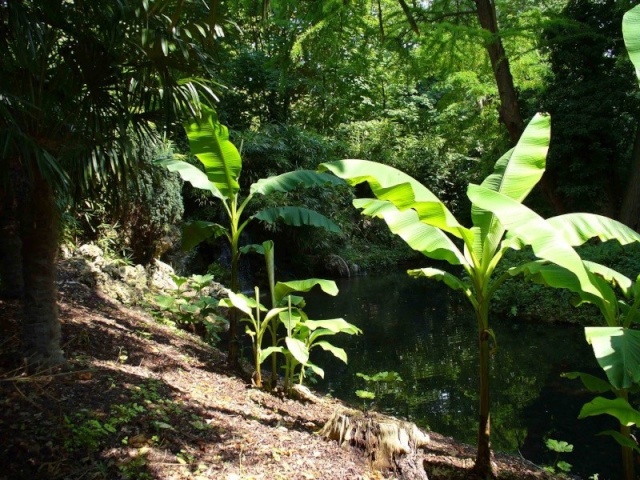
[86,431]
[302,334]
[189,307]
[376,381]
[559,447]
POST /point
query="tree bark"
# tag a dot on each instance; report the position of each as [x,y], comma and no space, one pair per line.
[39,234]
[630,209]
[390,444]
[11,284]
[509,107]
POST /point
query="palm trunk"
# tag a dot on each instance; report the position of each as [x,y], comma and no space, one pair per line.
[39,233]
[11,283]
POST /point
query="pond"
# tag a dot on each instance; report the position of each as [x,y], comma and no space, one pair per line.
[428,334]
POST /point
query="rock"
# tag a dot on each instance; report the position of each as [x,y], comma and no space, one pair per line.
[354,268]
[160,276]
[135,277]
[336,265]
[90,251]
[119,291]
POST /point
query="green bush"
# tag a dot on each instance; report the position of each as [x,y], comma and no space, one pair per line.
[136,220]
[153,206]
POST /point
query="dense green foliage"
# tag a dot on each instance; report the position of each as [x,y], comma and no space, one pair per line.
[91,93]
[592,95]
[139,220]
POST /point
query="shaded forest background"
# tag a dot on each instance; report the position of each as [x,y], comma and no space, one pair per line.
[438,89]
[411,86]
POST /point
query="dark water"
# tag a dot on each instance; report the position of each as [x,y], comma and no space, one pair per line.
[428,335]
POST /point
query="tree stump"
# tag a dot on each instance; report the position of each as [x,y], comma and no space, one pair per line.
[389,443]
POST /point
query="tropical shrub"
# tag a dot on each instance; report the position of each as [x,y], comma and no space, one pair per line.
[133,221]
[191,308]
[153,205]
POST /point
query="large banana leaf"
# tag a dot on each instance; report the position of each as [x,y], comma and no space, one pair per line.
[336,351]
[333,325]
[612,277]
[209,141]
[241,302]
[379,177]
[515,174]
[289,181]
[193,175]
[552,275]
[297,216]
[547,242]
[631,34]
[388,183]
[592,383]
[282,289]
[578,228]
[617,350]
[423,238]
[622,440]
[298,349]
[450,280]
[618,407]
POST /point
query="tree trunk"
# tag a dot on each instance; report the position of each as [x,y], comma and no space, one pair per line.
[39,233]
[11,284]
[509,107]
[630,210]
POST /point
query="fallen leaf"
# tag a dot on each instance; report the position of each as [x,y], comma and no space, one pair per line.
[138,440]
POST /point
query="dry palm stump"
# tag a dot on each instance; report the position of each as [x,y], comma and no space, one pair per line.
[389,443]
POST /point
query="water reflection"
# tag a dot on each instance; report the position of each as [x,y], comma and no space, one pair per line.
[428,335]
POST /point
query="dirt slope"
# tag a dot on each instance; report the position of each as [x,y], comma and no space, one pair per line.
[142,400]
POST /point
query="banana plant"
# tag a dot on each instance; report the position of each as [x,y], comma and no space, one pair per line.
[222,163]
[257,327]
[302,334]
[414,213]
[616,345]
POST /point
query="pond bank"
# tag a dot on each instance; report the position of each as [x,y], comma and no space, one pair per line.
[143,400]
